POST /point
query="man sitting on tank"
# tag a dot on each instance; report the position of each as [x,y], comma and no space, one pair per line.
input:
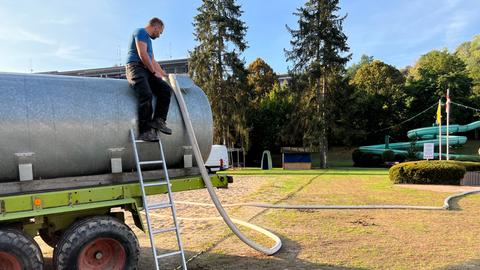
[145,75]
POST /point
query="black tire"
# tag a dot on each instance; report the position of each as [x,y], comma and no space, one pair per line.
[49,238]
[83,233]
[21,248]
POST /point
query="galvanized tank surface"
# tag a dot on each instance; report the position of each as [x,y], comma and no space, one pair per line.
[71,126]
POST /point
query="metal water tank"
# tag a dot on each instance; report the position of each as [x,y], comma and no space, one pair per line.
[72,126]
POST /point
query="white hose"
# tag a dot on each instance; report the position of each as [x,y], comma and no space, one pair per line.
[274,237]
[446,205]
[206,178]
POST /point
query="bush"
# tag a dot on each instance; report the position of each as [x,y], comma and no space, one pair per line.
[362,159]
[469,165]
[388,155]
[429,172]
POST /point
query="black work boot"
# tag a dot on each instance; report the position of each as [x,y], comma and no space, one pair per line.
[160,125]
[149,136]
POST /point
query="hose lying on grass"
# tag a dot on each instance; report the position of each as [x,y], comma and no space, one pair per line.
[446,205]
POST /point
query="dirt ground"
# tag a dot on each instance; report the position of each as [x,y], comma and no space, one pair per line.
[326,239]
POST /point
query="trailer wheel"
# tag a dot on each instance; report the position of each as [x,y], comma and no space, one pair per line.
[19,251]
[97,243]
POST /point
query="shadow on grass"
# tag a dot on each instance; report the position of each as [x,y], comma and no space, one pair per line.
[454,206]
[286,258]
[471,264]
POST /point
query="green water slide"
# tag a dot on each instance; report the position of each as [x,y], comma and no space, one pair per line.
[399,151]
[432,132]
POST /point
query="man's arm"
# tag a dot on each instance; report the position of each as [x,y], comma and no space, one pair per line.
[143,54]
[158,68]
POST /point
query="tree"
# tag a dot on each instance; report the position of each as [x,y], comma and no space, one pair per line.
[378,78]
[469,52]
[318,48]
[261,79]
[364,59]
[270,119]
[378,100]
[215,66]
[428,80]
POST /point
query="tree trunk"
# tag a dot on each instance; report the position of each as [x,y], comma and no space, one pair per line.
[323,142]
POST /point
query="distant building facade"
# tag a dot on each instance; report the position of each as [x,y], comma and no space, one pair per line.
[118,72]
[177,66]
[284,78]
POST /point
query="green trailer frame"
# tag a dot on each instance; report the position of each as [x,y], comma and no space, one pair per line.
[54,211]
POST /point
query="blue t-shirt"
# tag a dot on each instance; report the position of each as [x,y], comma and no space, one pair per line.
[139,34]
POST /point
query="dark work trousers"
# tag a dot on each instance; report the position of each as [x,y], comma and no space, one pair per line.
[146,85]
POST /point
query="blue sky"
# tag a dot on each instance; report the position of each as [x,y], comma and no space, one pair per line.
[64,35]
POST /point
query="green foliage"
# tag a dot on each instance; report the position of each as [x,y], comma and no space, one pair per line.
[378,93]
[469,52]
[469,165]
[428,172]
[261,79]
[318,49]
[216,67]
[388,155]
[364,59]
[444,70]
[378,78]
[362,159]
[428,81]
[269,120]
[323,102]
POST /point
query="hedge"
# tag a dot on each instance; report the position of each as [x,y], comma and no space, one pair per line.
[470,166]
[431,172]
[362,159]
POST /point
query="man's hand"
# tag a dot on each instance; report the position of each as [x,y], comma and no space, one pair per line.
[158,69]
[158,75]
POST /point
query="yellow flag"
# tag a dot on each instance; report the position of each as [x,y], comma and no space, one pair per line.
[439,113]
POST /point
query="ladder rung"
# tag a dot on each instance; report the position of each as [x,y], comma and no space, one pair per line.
[142,141]
[164,230]
[168,254]
[157,183]
[159,206]
[151,162]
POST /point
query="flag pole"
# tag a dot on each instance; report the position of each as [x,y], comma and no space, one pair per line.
[440,130]
[448,119]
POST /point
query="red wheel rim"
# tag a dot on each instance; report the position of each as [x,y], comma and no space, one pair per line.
[9,261]
[102,254]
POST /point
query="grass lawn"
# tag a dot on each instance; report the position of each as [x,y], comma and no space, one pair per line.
[351,239]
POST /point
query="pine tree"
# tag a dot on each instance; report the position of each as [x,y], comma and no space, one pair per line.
[319,48]
[215,66]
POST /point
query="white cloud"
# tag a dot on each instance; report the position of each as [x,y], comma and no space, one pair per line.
[73,54]
[20,34]
[68,52]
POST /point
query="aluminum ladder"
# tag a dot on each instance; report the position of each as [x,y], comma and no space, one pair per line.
[168,204]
